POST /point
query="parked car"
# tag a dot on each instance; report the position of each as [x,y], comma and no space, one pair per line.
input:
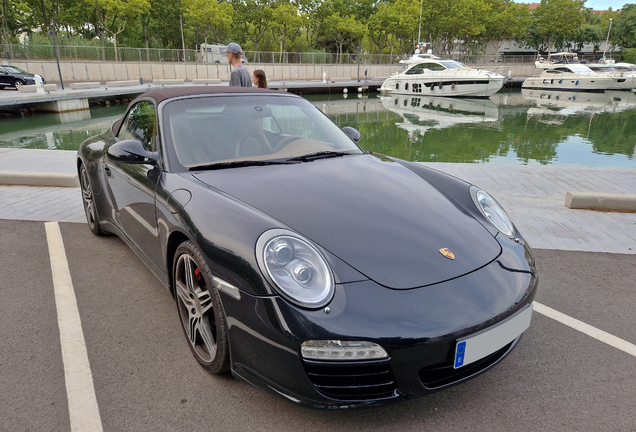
[13,76]
[309,267]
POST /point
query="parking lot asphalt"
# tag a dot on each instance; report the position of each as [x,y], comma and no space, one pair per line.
[145,378]
[571,374]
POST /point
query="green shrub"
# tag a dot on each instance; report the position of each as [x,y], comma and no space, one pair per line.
[629,55]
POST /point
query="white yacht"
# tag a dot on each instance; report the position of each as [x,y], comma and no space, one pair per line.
[571,77]
[625,78]
[430,75]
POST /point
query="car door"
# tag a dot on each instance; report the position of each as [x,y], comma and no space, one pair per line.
[5,78]
[132,186]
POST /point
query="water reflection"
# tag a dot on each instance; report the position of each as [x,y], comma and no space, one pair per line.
[511,127]
[61,131]
[507,128]
[421,113]
[564,104]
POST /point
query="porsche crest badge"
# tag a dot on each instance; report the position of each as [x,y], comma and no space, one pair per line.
[447,253]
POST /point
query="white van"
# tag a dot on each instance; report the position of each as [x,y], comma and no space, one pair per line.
[209,53]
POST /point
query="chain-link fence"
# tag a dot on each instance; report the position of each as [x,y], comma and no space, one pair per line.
[125,54]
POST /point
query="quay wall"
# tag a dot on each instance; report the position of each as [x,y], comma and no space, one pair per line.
[77,71]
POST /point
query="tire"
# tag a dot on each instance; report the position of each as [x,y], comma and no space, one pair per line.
[18,83]
[88,199]
[200,309]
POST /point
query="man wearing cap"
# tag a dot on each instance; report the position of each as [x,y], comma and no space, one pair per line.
[240,76]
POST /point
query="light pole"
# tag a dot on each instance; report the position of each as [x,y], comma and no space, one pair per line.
[359,48]
[419,28]
[182,39]
[57,58]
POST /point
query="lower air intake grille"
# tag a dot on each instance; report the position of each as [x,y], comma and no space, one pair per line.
[352,381]
[443,374]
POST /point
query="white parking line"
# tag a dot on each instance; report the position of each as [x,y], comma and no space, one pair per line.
[609,339]
[82,402]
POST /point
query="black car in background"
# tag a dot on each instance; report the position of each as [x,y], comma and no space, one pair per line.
[300,262]
[13,76]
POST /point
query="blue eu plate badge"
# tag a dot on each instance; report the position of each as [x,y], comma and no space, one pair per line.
[459,355]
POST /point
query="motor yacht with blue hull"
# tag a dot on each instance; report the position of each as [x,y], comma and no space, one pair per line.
[433,76]
[572,77]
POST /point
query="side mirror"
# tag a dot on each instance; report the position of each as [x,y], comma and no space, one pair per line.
[352,133]
[132,152]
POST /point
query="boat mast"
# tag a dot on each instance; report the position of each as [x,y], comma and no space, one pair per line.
[607,40]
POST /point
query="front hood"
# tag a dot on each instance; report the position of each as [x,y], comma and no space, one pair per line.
[376,215]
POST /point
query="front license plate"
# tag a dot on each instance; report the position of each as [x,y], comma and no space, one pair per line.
[492,339]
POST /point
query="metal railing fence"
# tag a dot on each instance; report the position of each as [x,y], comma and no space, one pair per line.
[126,54]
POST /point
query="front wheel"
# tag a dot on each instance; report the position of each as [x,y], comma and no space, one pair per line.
[200,309]
[18,83]
[89,203]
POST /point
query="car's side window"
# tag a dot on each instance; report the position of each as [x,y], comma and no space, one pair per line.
[3,70]
[141,125]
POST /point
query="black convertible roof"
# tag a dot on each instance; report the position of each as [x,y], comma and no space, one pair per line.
[169,93]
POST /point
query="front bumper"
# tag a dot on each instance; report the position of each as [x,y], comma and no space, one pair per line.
[419,328]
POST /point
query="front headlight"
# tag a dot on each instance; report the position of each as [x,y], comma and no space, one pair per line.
[492,211]
[296,269]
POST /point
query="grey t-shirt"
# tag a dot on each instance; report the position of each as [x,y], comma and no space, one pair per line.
[240,77]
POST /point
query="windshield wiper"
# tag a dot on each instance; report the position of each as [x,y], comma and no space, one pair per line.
[318,155]
[238,164]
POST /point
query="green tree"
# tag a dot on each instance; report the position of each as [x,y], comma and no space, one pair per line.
[505,20]
[445,22]
[253,18]
[344,30]
[44,14]
[624,28]
[558,19]
[15,15]
[286,24]
[209,18]
[116,14]
[314,12]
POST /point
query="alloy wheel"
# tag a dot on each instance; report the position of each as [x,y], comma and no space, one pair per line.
[195,308]
[87,196]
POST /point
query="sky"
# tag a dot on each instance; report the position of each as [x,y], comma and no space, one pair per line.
[594,4]
[606,4]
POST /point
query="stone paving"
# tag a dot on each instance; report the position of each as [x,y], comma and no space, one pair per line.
[534,197]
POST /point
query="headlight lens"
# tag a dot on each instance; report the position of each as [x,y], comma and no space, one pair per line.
[296,268]
[492,211]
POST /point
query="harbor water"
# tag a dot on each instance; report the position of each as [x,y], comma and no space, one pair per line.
[512,127]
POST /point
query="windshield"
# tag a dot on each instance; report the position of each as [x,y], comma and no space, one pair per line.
[450,64]
[219,129]
[14,69]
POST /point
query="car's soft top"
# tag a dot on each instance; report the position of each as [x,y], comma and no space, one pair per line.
[168,93]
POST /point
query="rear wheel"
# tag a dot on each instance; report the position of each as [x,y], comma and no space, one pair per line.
[89,203]
[200,309]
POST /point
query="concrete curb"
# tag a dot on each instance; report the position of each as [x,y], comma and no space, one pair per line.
[600,201]
[26,178]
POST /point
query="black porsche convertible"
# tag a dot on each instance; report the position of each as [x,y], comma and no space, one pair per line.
[300,262]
